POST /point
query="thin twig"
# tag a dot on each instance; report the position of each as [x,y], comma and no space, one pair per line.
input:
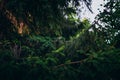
[75,62]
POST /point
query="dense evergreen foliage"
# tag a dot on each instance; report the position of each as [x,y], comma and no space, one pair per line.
[45,40]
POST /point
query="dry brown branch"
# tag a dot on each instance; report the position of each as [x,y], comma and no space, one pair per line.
[70,63]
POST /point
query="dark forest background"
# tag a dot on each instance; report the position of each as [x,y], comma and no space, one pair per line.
[46,40]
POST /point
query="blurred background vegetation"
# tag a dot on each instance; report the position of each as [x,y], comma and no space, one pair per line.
[46,40]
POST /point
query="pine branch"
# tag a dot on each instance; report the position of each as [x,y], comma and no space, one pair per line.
[70,63]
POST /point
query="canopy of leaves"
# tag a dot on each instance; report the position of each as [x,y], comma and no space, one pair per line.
[40,15]
[109,22]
